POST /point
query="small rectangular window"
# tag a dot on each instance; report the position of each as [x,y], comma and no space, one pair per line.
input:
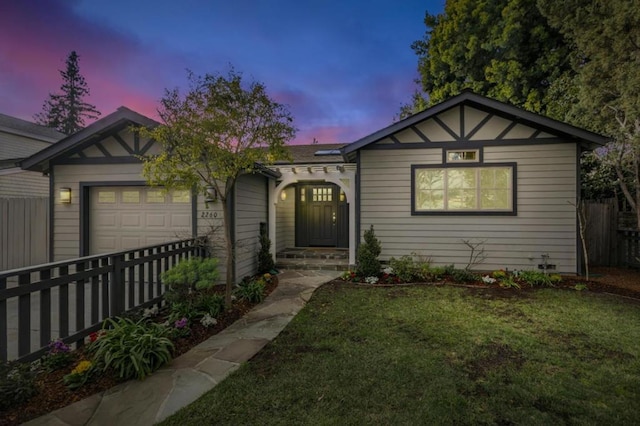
[106,197]
[131,197]
[461,156]
[155,196]
[181,196]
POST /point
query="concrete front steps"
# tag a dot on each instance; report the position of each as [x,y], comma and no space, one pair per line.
[313,258]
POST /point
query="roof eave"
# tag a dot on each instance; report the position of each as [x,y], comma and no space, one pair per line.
[41,159]
[467,97]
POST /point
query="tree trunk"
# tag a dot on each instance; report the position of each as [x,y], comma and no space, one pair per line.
[229,252]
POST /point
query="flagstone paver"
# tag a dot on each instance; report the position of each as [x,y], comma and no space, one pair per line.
[192,374]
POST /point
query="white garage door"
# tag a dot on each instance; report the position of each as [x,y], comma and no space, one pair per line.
[123,218]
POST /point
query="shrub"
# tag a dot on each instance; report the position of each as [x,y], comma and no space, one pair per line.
[265,259]
[404,268]
[250,290]
[463,275]
[188,276]
[448,270]
[435,273]
[132,349]
[17,384]
[499,274]
[367,263]
[535,278]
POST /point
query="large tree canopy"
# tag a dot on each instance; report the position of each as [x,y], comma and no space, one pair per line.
[606,88]
[67,111]
[220,129]
[504,49]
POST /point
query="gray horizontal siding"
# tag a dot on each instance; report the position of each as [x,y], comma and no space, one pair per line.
[251,209]
[545,222]
[16,146]
[285,221]
[24,184]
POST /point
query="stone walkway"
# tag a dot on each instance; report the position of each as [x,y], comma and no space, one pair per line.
[199,370]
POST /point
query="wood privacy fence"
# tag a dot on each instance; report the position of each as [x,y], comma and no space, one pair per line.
[70,299]
[24,232]
[610,241]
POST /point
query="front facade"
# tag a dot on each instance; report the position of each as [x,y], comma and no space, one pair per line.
[469,171]
[473,171]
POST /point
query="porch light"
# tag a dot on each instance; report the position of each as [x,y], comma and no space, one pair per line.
[283,195]
[212,195]
[65,195]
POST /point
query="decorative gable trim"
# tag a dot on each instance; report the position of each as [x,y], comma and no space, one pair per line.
[473,119]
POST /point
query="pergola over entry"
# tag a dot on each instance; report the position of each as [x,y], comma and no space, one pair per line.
[342,175]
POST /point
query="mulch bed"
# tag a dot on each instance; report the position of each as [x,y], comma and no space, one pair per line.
[53,394]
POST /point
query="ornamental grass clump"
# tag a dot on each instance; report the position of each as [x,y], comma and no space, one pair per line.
[132,349]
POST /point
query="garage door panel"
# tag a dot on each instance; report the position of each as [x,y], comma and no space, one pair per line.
[105,243]
[131,242]
[131,219]
[155,220]
[106,220]
[180,220]
[124,218]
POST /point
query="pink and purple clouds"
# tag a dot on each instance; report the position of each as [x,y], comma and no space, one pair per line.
[343,68]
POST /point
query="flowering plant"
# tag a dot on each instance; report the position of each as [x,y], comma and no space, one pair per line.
[79,375]
[181,327]
[371,280]
[488,280]
[150,312]
[58,355]
[96,335]
[351,276]
[207,320]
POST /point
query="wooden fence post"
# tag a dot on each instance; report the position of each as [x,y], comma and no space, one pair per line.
[117,285]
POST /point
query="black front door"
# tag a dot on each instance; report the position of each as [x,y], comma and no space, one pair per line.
[316,218]
[322,229]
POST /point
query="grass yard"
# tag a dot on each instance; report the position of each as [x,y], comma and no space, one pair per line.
[440,355]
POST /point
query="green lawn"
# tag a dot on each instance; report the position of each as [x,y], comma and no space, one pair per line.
[440,355]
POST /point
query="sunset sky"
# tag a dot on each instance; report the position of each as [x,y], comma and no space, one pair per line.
[343,68]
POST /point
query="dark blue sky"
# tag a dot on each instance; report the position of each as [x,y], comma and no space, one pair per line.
[342,67]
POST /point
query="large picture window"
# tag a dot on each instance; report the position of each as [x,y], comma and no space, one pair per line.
[486,189]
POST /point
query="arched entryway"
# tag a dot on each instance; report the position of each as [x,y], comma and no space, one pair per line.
[314,207]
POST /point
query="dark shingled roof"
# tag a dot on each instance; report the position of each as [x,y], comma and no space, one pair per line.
[305,154]
[24,126]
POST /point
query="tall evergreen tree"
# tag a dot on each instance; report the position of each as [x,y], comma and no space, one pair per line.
[67,112]
[504,49]
[606,88]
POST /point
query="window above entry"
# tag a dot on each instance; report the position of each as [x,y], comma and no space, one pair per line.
[464,189]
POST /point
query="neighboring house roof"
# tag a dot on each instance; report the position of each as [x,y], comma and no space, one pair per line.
[315,153]
[123,117]
[467,97]
[26,128]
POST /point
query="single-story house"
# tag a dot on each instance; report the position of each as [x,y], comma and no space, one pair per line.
[469,169]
